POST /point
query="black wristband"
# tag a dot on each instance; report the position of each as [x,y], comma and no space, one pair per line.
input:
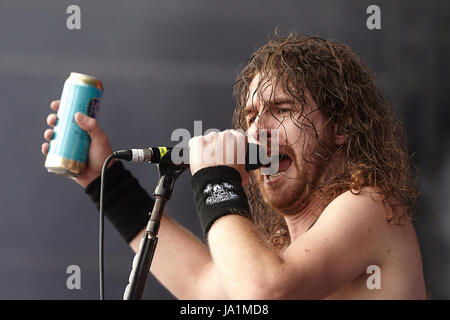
[218,192]
[125,203]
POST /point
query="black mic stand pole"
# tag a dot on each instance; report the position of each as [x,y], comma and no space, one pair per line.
[168,173]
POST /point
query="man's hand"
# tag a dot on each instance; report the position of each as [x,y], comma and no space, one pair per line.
[219,148]
[99,149]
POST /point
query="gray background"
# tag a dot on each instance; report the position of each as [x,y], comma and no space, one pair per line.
[165,64]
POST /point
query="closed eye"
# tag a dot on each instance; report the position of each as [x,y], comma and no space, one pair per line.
[251,119]
[282,110]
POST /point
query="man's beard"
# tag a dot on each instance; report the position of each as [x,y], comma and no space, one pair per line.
[288,198]
[297,190]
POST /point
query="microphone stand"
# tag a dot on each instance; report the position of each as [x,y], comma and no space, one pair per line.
[168,174]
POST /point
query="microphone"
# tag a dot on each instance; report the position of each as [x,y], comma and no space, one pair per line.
[152,154]
[155,154]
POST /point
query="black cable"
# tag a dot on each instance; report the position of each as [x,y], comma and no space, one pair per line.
[101,230]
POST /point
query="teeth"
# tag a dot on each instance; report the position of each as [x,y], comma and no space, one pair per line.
[276,174]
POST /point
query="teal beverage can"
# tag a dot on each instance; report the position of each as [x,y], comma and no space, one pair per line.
[69,147]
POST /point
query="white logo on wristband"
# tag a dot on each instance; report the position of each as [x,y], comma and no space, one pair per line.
[219,192]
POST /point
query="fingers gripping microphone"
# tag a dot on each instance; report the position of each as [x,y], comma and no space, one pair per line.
[155,154]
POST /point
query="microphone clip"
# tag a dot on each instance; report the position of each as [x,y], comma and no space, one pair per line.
[168,174]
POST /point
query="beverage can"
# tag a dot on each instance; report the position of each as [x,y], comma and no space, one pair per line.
[69,148]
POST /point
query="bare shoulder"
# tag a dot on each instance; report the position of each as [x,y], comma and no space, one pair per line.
[352,224]
[363,217]
[365,207]
[393,246]
[352,234]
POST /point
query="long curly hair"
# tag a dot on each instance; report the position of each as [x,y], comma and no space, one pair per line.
[343,89]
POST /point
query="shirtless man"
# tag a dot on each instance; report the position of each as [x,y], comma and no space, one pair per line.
[342,200]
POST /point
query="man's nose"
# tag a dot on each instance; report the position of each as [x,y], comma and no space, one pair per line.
[259,129]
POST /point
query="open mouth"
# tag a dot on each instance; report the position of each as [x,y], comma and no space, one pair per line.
[284,163]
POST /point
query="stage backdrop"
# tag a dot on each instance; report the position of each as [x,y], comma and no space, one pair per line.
[165,64]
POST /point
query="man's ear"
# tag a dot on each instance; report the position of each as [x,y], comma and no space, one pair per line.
[339,135]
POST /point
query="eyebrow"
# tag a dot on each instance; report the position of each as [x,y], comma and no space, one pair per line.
[250,108]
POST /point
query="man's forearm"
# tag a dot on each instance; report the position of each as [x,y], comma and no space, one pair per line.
[182,263]
[245,262]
